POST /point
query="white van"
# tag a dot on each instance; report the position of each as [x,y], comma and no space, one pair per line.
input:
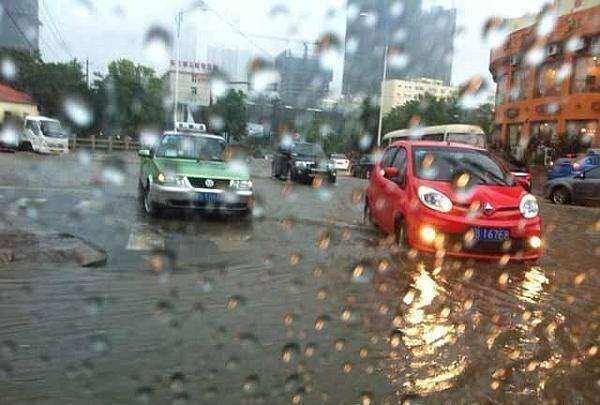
[460,133]
[43,135]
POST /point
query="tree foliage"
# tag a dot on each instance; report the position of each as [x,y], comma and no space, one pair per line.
[50,84]
[129,99]
[231,114]
[429,111]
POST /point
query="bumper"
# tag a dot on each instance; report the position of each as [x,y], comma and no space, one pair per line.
[50,147]
[455,236]
[310,173]
[210,200]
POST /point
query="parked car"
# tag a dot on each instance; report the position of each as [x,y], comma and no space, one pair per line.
[189,171]
[519,170]
[340,162]
[363,167]
[454,198]
[302,162]
[562,167]
[582,188]
[565,167]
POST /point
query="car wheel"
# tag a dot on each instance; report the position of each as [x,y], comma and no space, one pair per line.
[560,196]
[401,233]
[151,208]
[273,171]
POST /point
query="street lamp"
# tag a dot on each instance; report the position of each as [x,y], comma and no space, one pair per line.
[365,14]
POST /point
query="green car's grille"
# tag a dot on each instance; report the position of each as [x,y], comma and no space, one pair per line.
[202,182]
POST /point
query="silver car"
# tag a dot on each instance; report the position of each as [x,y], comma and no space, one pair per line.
[581,189]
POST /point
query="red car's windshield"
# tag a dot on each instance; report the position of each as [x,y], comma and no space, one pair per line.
[447,164]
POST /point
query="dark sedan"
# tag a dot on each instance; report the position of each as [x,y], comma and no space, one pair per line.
[302,162]
[363,167]
[582,188]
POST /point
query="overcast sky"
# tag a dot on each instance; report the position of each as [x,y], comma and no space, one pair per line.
[105,30]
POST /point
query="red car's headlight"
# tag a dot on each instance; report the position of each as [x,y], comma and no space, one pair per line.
[434,199]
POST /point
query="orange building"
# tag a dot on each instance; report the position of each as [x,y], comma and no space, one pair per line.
[548,92]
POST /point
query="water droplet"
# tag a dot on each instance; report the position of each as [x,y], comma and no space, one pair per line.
[361,274]
[8,69]
[235,301]
[366,398]
[99,343]
[339,344]
[9,135]
[251,384]
[310,350]
[290,352]
[396,338]
[144,394]
[321,323]
[78,112]
[157,45]
[177,382]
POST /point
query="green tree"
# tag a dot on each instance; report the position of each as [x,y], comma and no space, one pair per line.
[128,99]
[232,110]
[429,111]
[50,84]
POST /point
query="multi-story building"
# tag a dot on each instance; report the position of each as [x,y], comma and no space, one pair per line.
[398,92]
[194,88]
[420,43]
[548,93]
[19,24]
[303,82]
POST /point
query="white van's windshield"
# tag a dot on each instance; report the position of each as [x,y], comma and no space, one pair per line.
[469,139]
[52,129]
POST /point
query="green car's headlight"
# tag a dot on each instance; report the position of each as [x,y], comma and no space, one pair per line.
[171,180]
[241,184]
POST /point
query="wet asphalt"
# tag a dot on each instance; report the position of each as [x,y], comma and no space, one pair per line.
[300,304]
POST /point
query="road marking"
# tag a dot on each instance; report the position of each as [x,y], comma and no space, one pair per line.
[145,240]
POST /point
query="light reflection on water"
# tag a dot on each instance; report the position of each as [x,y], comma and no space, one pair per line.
[428,337]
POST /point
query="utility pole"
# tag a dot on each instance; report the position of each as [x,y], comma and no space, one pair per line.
[379,128]
[178,20]
[87,72]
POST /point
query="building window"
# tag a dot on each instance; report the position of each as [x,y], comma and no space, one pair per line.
[516,144]
[519,86]
[501,92]
[543,135]
[547,80]
[586,75]
[194,90]
[581,135]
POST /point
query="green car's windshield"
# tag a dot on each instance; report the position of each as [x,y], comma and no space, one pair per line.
[191,147]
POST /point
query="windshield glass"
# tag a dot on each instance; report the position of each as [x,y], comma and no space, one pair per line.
[308,149]
[191,147]
[469,139]
[446,164]
[51,129]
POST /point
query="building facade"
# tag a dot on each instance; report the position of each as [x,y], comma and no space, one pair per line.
[555,104]
[398,92]
[20,25]
[15,104]
[303,82]
[420,43]
[194,87]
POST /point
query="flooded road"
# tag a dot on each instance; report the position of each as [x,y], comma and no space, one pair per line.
[302,304]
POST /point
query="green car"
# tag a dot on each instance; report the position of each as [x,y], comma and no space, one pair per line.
[189,171]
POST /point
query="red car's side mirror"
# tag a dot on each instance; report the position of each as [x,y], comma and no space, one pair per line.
[390,172]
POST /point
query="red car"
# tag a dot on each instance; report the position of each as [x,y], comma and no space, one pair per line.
[455,199]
